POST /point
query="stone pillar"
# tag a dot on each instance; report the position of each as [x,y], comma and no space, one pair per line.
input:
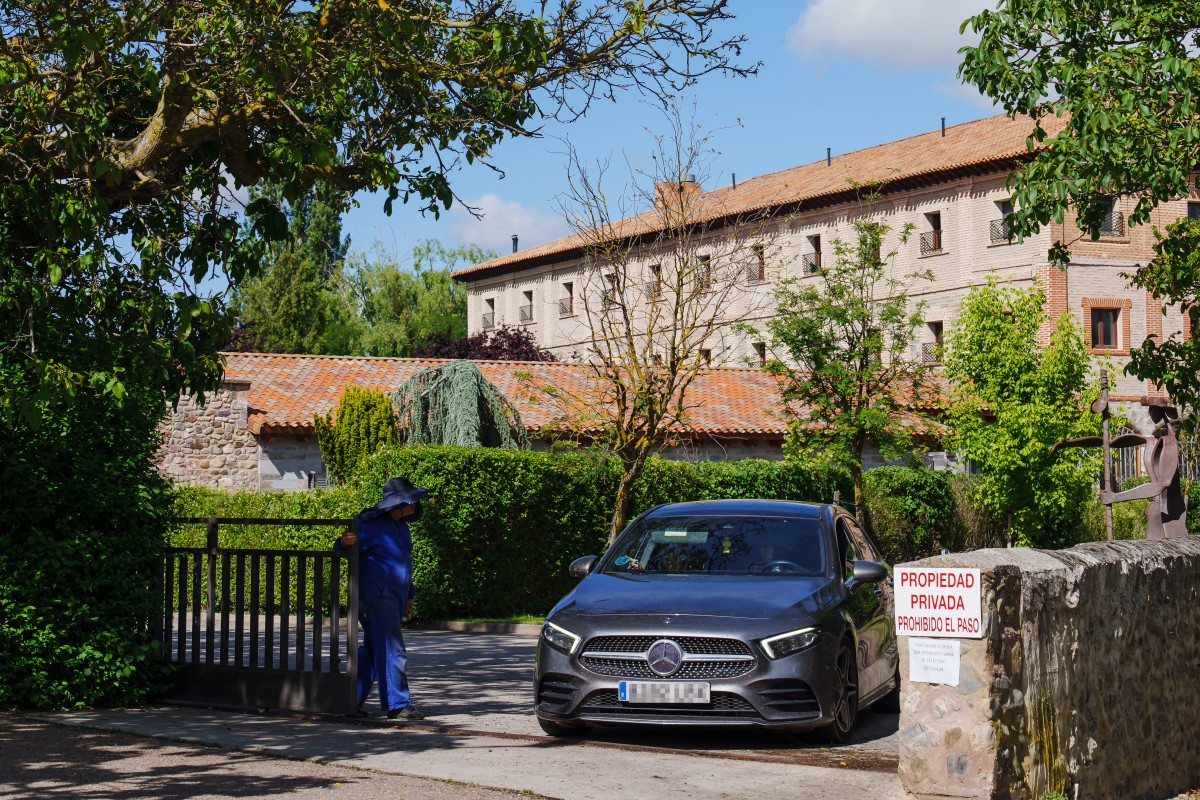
[1084,681]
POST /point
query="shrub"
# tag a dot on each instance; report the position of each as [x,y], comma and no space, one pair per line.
[80,549]
[912,512]
[500,526]
[364,423]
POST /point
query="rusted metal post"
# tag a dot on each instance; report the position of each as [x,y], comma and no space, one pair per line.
[1106,433]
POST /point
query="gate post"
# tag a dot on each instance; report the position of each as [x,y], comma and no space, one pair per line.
[211,576]
[352,625]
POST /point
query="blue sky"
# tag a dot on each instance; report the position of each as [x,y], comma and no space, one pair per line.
[843,74]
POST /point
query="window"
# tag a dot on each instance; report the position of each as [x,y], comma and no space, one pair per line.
[757,271]
[931,240]
[999,228]
[931,352]
[812,261]
[1104,328]
[658,359]
[704,273]
[760,351]
[1113,223]
[1193,210]
[525,312]
[611,288]
[489,313]
[654,280]
[706,357]
[566,304]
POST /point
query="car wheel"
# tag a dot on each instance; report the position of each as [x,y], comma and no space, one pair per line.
[562,729]
[845,695]
[890,702]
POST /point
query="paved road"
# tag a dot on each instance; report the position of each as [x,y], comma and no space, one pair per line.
[477,687]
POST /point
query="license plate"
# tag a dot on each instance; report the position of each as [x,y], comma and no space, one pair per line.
[649,692]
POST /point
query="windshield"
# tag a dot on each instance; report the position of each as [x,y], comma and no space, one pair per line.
[715,545]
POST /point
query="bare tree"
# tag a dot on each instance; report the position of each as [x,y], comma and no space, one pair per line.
[661,293]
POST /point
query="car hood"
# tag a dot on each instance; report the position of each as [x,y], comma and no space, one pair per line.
[734,597]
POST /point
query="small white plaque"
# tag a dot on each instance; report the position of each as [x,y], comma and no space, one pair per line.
[933,660]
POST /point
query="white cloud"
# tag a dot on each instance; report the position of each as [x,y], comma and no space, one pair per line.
[500,220]
[895,34]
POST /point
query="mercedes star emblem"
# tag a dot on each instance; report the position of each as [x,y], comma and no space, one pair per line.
[665,658]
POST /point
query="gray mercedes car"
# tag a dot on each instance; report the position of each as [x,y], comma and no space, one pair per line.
[727,612]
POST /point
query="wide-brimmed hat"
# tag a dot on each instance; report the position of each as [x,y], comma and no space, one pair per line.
[399,492]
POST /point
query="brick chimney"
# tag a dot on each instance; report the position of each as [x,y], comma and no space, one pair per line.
[673,193]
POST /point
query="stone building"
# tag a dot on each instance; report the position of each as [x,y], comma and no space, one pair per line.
[256,431]
[950,185]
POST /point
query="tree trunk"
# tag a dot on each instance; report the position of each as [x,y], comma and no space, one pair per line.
[623,506]
[860,499]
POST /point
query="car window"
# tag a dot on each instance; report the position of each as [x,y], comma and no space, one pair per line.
[726,545]
[862,544]
[847,550]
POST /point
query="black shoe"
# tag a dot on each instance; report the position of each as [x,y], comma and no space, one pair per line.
[408,712]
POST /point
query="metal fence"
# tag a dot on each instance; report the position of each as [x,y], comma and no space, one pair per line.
[262,628]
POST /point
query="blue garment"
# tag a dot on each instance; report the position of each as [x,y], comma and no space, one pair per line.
[385,587]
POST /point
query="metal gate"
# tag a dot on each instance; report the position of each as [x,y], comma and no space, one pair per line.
[262,628]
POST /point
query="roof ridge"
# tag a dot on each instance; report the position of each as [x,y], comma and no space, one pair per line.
[372,359]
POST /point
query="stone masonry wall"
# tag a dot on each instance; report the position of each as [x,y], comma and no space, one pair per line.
[1083,683]
[209,445]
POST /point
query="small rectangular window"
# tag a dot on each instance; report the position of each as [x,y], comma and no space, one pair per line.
[1104,328]
[525,312]
[489,313]
[654,280]
[566,304]
[812,261]
[760,351]
[758,264]
[704,276]
[931,240]
[1193,210]
[706,357]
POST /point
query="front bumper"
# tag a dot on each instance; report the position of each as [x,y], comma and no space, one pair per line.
[794,692]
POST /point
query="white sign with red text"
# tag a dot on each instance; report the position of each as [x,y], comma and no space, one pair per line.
[938,602]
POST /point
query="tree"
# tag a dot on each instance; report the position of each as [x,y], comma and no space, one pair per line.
[502,344]
[404,308]
[454,404]
[127,129]
[1122,77]
[128,125]
[840,346]
[364,422]
[1011,400]
[655,304]
[296,304]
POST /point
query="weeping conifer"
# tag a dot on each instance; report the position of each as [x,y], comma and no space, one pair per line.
[454,404]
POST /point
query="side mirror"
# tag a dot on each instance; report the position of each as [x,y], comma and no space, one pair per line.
[865,572]
[583,566]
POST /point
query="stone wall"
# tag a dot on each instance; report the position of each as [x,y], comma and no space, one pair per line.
[1084,681]
[209,445]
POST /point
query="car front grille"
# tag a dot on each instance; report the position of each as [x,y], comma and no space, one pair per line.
[723,704]
[556,690]
[742,658]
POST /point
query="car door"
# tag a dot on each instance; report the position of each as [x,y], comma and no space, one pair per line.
[879,605]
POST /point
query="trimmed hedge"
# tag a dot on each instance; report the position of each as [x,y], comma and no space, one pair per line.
[500,526]
[913,512]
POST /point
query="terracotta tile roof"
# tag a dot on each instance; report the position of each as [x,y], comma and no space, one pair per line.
[992,143]
[287,390]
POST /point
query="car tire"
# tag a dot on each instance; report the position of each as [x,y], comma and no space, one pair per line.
[890,702]
[562,729]
[845,713]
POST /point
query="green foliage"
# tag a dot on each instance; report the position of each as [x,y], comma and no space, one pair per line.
[402,308]
[500,526]
[841,346]
[364,423]
[1011,399]
[80,548]
[1123,76]
[913,512]
[454,404]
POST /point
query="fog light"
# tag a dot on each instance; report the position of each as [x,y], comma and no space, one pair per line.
[791,642]
[560,638]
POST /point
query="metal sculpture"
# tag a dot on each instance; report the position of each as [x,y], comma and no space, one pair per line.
[1166,517]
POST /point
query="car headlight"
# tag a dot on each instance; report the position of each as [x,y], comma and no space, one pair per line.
[560,638]
[791,642]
